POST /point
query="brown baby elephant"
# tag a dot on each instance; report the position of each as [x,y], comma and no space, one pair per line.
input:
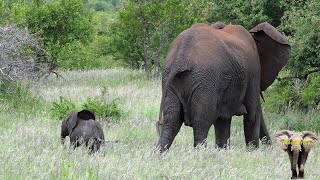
[298,145]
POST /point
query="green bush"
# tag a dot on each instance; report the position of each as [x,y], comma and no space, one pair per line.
[310,95]
[62,108]
[294,94]
[108,111]
[82,56]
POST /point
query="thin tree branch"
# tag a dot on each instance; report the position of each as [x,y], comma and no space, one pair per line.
[299,76]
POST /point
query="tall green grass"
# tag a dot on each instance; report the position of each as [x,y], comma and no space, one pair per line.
[30,146]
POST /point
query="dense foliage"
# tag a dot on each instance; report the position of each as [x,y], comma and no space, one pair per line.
[85,34]
[142,30]
[68,29]
[299,87]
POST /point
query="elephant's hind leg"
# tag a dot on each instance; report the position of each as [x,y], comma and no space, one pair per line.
[201,124]
[172,121]
[222,132]
[200,135]
[264,134]
[252,122]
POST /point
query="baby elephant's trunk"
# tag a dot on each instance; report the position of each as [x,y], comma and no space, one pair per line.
[295,151]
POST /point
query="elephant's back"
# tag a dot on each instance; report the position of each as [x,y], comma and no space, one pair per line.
[85,129]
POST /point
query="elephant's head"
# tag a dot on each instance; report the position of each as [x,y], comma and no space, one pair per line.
[298,145]
[218,25]
[295,141]
[274,51]
[70,122]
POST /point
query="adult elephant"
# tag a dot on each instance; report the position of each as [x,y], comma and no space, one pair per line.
[211,74]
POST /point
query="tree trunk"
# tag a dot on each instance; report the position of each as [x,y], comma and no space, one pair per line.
[157,60]
[164,38]
[146,56]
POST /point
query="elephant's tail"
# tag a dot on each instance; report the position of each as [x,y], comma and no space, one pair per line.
[178,67]
[262,96]
[170,85]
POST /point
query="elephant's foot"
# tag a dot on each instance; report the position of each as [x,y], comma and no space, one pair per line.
[200,144]
[222,146]
[200,136]
[301,171]
[266,141]
[252,145]
[222,132]
[294,174]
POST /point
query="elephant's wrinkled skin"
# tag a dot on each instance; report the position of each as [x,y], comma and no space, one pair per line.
[82,128]
[298,146]
[214,72]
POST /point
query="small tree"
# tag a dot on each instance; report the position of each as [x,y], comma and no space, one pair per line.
[245,13]
[19,55]
[301,23]
[60,23]
[145,28]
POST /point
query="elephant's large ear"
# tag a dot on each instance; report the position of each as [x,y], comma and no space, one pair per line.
[309,140]
[274,51]
[86,115]
[283,138]
[72,121]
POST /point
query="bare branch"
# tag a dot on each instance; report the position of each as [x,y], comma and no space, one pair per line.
[299,76]
[21,55]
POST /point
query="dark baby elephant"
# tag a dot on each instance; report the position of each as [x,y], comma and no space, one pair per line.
[82,128]
[212,74]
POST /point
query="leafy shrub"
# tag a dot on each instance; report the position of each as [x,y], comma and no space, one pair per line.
[83,56]
[294,94]
[109,111]
[103,109]
[310,95]
[62,108]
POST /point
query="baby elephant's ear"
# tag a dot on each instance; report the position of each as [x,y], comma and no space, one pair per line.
[283,138]
[86,115]
[71,121]
[309,140]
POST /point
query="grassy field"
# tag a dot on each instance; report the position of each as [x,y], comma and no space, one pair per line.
[30,146]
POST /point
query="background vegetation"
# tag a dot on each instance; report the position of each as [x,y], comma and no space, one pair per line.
[99,34]
[107,56]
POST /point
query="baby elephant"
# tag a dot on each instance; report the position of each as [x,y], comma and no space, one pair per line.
[298,145]
[82,128]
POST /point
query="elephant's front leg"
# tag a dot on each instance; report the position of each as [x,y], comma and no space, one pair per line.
[171,121]
[222,132]
[252,122]
[301,162]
